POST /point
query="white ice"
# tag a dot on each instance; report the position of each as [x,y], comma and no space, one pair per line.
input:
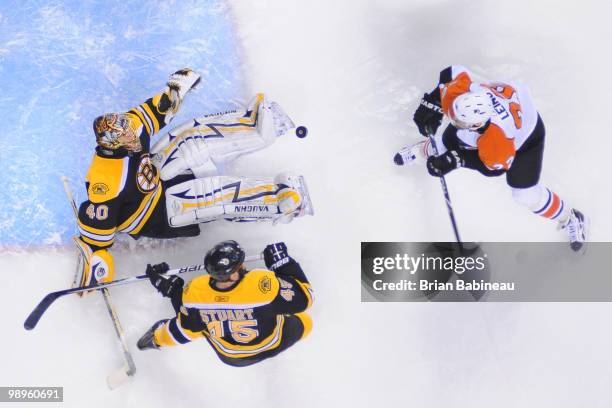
[352,71]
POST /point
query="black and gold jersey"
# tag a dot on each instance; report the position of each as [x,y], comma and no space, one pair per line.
[122,192]
[244,320]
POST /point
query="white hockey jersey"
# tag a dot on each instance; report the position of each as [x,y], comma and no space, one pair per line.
[515,119]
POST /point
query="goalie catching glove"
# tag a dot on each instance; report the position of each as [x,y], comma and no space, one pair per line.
[179,83]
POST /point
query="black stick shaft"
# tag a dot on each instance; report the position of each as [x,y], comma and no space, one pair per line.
[449,205]
[44,304]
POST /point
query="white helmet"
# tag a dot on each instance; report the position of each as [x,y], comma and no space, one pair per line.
[471,110]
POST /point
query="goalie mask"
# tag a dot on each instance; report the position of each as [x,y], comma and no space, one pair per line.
[113,132]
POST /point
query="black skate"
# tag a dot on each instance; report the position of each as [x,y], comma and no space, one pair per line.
[147,341]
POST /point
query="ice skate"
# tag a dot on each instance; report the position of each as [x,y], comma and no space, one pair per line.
[577,230]
[147,341]
[415,153]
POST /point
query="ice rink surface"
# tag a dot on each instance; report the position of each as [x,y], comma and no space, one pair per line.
[353,72]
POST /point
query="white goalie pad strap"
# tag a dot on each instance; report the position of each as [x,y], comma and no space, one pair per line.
[204,145]
[231,198]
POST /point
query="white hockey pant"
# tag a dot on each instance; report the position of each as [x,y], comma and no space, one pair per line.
[542,201]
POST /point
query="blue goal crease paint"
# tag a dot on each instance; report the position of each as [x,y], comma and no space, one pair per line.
[66,62]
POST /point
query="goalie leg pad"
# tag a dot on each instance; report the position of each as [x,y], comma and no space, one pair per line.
[93,266]
[204,145]
[234,199]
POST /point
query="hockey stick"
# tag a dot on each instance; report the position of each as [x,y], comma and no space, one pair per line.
[117,377]
[449,205]
[44,304]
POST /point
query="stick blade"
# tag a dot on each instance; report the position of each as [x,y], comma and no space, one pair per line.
[39,310]
[119,377]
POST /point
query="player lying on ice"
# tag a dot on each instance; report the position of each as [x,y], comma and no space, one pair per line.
[246,316]
[494,129]
[168,191]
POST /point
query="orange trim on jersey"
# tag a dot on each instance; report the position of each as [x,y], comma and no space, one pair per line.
[495,149]
[451,90]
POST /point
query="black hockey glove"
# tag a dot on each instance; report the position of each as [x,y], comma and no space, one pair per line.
[439,166]
[275,256]
[168,286]
[428,115]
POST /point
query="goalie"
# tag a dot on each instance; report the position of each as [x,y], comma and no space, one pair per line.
[165,192]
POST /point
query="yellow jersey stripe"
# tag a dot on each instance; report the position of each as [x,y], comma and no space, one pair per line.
[102,244]
[186,332]
[140,116]
[163,337]
[96,230]
[135,219]
[148,213]
[307,289]
[152,117]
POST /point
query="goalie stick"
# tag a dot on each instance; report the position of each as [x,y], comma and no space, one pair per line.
[121,375]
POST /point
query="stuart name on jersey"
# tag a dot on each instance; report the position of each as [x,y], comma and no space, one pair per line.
[226,315]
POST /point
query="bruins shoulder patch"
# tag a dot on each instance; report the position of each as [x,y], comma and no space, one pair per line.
[99,188]
[265,284]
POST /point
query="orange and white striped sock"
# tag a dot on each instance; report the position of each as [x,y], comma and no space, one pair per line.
[543,202]
[553,207]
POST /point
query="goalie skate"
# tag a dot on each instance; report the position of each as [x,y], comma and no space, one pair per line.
[300,186]
[297,183]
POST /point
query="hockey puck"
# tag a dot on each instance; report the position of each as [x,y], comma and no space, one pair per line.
[301,132]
